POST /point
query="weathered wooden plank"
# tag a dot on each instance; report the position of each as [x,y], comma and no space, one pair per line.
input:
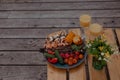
[114,67]
[111,40]
[60,6]
[118,34]
[58,14]
[38,23]
[6,1]
[78,73]
[21,44]
[55,73]
[110,36]
[27,33]
[23,72]
[95,74]
[4,14]
[22,58]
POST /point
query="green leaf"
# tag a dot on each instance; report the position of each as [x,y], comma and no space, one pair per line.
[76,48]
[95,51]
[103,62]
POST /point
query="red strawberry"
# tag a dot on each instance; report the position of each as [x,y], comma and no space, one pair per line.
[51,52]
[77,53]
[62,55]
[71,55]
[67,55]
[76,57]
[49,60]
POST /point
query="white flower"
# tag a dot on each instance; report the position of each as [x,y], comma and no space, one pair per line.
[102,53]
[89,45]
[116,52]
[105,59]
[99,58]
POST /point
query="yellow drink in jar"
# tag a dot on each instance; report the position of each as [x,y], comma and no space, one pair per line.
[85,20]
[96,29]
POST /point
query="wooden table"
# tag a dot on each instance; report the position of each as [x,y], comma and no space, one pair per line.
[86,71]
[25,23]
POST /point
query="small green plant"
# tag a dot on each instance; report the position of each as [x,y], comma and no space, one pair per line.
[100,50]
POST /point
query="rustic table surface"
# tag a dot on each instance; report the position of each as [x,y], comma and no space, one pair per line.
[25,23]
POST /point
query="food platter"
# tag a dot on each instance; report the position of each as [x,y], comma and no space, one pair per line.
[64,49]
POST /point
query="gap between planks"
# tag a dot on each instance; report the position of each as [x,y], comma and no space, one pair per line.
[58,14]
[53,1]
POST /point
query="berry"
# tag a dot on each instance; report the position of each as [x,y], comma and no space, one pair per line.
[76,57]
[77,53]
[67,55]
[71,55]
[62,55]
[49,60]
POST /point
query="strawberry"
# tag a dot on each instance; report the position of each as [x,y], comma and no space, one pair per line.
[76,57]
[51,52]
[67,55]
[62,55]
[71,55]
[49,60]
[77,53]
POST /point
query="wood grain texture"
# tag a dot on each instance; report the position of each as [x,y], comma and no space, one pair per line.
[6,1]
[118,34]
[60,6]
[27,33]
[21,44]
[38,23]
[58,14]
[22,58]
[45,23]
[110,36]
[23,73]
[113,65]
[55,73]
[78,73]
[95,74]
